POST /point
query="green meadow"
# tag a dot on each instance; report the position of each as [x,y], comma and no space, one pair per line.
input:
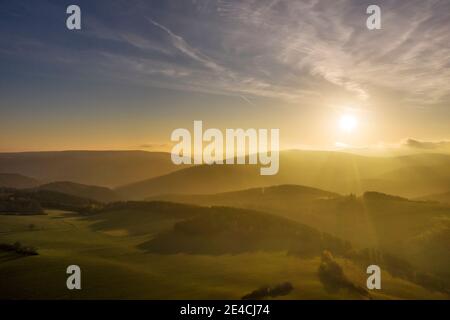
[225,232]
[113,267]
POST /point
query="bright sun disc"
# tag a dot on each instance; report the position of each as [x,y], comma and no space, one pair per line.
[348,123]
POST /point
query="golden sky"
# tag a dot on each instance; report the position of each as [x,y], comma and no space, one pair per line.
[137,70]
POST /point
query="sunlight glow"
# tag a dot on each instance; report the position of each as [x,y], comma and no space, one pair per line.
[348,123]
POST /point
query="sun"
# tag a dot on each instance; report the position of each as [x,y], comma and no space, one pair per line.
[348,123]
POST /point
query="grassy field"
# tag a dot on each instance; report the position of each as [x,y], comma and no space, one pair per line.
[113,267]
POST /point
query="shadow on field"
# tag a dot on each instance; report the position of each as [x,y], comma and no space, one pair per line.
[9,256]
[224,230]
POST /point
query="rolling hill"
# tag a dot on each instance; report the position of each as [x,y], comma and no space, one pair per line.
[334,171]
[103,168]
[402,247]
[273,198]
[50,199]
[440,197]
[126,251]
[222,230]
[412,230]
[174,227]
[136,218]
[17,181]
[101,194]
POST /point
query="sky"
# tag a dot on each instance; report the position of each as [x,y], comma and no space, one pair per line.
[137,70]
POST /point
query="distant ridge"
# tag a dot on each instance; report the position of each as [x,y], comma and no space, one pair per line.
[52,199]
[334,171]
[439,197]
[251,196]
[17,181]
[379,196]
[102,168]
[101,194]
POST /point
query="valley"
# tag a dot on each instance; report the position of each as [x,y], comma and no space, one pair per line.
[210,232]
[115,268]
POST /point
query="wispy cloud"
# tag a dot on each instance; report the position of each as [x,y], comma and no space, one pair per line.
[410,54]
[179,43]
[281,49]
[427,145]
[155,146]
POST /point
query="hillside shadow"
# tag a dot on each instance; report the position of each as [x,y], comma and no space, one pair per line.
[10,256]
[139,217]
[235,231]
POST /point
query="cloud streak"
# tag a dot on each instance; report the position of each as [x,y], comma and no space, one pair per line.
[179,43]
[411,54]
[293,51]
[427,145]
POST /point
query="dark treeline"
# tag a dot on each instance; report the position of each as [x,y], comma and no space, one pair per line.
[18,248]
[16,204]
